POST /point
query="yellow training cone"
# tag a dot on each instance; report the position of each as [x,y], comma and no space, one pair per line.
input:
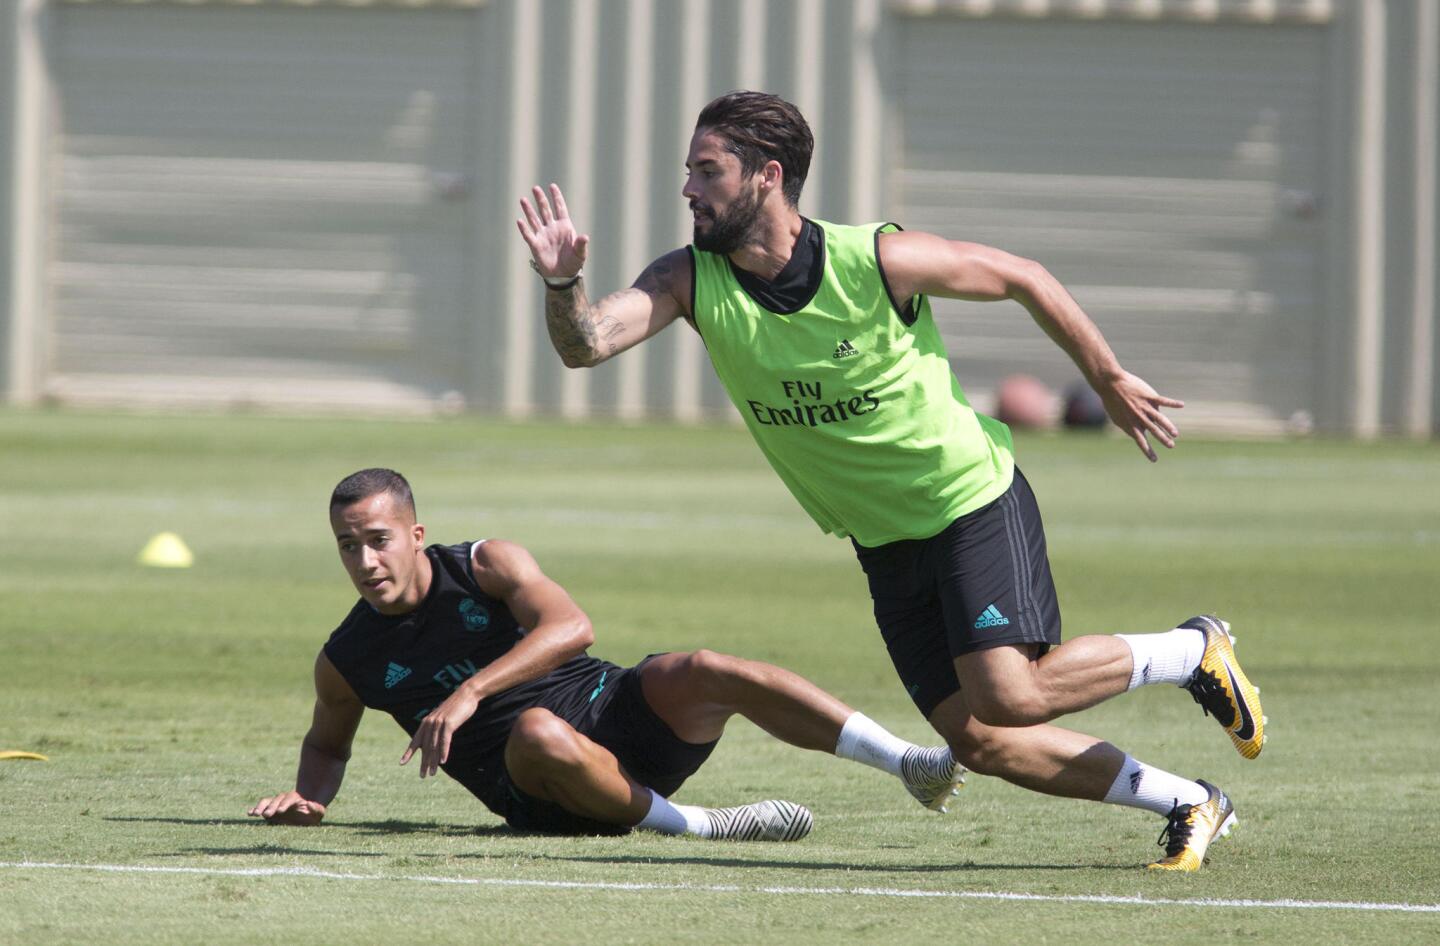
[166,550]
[17,754]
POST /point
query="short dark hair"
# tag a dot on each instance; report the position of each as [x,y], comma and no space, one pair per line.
[760,127]
[370,482]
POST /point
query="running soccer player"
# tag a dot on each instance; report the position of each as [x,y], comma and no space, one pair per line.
[822,335]
[481,658]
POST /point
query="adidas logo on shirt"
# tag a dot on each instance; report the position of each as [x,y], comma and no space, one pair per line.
[394,674]
[845,349]
[990,617]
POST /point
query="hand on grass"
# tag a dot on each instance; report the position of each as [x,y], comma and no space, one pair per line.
[1134,406]
[433,736]
[289,808]
[554,245]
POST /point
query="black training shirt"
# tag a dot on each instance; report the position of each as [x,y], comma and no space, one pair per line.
[407,664]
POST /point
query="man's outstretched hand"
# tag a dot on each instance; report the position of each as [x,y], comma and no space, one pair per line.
[550,233]
[289,808]
[437,729]
[1134,406]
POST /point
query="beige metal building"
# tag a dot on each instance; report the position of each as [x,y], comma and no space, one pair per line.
[309,203]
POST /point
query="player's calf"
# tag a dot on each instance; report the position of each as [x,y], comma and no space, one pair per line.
[1010,686]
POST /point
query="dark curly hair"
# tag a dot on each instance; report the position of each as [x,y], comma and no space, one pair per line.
[760,127]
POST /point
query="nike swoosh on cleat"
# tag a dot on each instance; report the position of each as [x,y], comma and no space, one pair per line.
[1246,729]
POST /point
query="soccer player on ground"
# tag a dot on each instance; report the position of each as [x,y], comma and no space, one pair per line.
[823,336]
[481,658]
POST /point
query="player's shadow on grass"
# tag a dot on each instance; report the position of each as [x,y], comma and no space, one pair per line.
[254,849]
[207,822]
[396,826]
[732,862]
[388,826]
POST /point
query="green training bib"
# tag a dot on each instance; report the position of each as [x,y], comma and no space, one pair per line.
[857,410]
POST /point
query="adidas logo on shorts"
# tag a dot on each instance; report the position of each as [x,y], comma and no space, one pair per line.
[990,617]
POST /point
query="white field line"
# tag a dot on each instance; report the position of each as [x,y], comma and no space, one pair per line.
[729,888]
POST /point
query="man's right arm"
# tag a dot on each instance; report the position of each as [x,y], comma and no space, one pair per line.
[323,753]
[923,263]
[585,334]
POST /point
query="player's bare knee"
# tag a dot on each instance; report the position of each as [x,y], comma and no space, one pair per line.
[709,674]
[1013,706]
[540,739]
[979,748]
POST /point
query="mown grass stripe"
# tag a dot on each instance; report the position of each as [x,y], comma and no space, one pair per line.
[1284,904]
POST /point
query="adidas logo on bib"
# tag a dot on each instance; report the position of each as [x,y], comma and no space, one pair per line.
[990,617]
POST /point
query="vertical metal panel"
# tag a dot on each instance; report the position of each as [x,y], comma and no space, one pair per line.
[606,272]
[688,355]
[522,132]
[837,151]
[779,67]
[636,185]
[27,191]
[1419,419]
[866,131]
[9,226]
[584,16]
[1333,322]
[750,50]
[492,205]
[553,110]
[1370,219]
[808,54]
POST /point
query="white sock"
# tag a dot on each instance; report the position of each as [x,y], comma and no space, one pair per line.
[1141,786]
[1170,657]
[668,818]
[864,740]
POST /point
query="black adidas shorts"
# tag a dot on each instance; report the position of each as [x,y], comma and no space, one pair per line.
[619,719]
[982,582]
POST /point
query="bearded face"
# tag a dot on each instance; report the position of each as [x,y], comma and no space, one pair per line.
[729,229]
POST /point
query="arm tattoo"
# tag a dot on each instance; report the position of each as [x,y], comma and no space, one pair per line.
[609,328]
[656,278]
[568,318]
[583,333]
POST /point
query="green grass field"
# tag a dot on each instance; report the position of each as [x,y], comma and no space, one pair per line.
[169,701]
